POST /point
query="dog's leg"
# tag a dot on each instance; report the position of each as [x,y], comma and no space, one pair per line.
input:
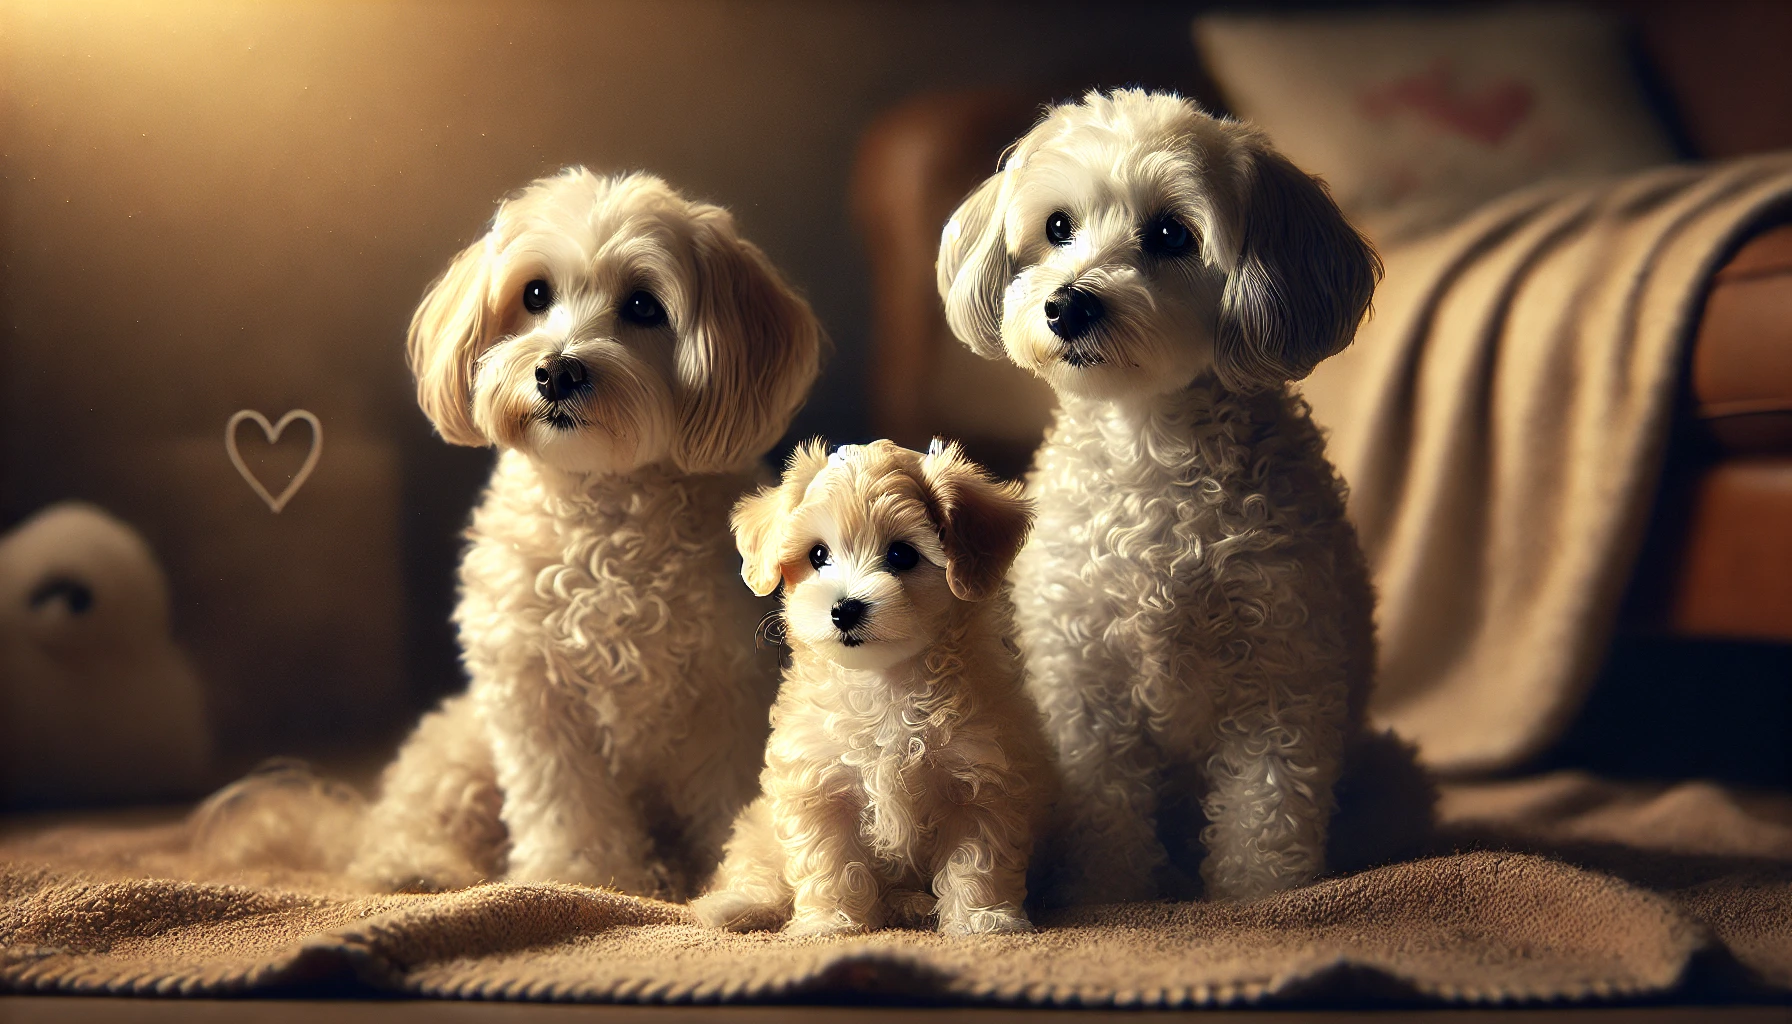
[1104,836]
[750,893]
[436,825]
[1270,783]
[712,800]
[1107,829]
[826,862]
[569,819]
[980,875]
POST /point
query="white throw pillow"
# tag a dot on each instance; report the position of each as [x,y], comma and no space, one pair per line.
[1415,117]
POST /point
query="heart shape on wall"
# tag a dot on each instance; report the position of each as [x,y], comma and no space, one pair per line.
[273,432]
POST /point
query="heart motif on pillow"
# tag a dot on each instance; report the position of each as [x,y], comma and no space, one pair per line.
[1487,115]
[273,431]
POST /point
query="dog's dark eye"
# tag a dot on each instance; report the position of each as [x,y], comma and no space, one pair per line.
[643,309]
[818,556]
[1167,236]
[77,595]
[537,295]
[901,557]
[1058,228]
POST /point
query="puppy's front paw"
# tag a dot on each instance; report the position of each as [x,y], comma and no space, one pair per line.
[987,921]
[735,911]
[824,924]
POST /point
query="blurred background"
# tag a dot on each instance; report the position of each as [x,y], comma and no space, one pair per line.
[208,207]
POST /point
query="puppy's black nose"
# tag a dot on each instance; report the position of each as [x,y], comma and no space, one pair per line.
[560,378]
[1071,312]
[848,613]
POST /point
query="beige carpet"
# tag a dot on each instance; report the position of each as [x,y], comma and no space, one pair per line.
[1502,420]
[1568,889]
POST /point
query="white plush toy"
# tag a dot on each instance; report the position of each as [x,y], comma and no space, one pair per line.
[97,704]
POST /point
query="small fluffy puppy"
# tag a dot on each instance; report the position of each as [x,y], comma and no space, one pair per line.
[1194,609]
[906,774]
[632,357]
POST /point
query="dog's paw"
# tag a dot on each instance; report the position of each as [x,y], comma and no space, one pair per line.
[988,921]
[415,870]
[735,911]
[824,924]
[1249,886]
[577,869]
[910,908]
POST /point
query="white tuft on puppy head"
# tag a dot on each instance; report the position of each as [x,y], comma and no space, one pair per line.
[607,323]
[1130,242]
[875,545]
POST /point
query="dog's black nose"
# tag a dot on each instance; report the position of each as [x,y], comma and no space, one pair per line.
[1071,312]
[560,378]
[848,613]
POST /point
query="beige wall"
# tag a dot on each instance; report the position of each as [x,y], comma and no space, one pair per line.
[210,206]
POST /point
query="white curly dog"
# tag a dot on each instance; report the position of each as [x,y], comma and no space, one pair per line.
[1194,609]
[633,358]
[907,775]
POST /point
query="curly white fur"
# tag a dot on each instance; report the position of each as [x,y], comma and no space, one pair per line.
[1194,609]
[633,357]
[906,775]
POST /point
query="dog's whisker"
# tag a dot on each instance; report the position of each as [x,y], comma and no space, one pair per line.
[771,631]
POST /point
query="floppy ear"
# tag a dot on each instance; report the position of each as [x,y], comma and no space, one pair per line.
[983,521]
[759,518]
[973,267]
[443,345]
[1302,281]
[751,350]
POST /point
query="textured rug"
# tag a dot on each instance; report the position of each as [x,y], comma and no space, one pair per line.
[1559,888]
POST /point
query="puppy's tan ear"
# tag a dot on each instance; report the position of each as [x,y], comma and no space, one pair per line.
[443,345]
[759,519]
[1302,281]
[974,268]
[983,521]
[749,353]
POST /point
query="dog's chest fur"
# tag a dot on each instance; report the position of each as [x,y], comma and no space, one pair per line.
[901,741]
[1168,534]
[623,594]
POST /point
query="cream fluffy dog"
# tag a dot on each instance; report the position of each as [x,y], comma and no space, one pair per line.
[632,357]
[1194,609]
[906,774]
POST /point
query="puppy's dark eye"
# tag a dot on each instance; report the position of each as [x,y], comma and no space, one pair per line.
[901,557]
[818,556]
[1167,236]
[643,309]
[1058,228]
[538,295]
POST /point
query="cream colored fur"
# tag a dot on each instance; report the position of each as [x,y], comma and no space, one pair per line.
[1194,609]
[616,710]
[906,777]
